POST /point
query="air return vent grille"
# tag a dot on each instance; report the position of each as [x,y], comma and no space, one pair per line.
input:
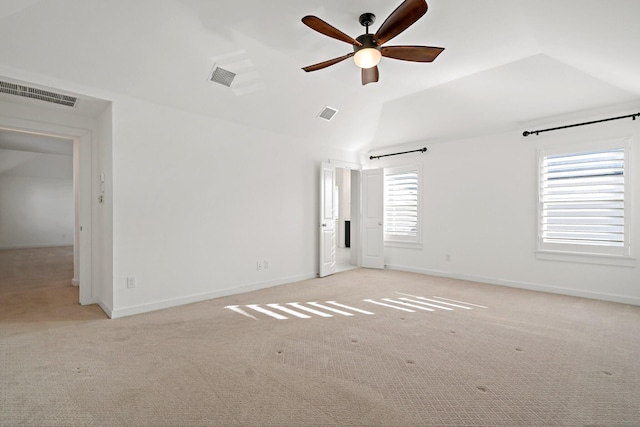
[327,113]
[222,76]
[39,94]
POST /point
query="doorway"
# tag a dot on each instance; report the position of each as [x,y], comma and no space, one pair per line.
[345,208]
[362,192]
[38,136]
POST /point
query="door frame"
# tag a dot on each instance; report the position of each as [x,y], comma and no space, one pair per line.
[82,140]
[356,209]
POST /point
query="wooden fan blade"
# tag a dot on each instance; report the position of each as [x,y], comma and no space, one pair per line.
[400,19]
[370,75]
[412,53]
[325,64]
[322,27]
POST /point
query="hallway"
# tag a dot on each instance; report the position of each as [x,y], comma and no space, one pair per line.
[35,285]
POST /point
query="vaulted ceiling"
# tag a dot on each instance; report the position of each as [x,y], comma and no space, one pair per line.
[506,62]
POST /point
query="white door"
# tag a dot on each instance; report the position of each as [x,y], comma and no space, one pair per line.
[372,218]
[327,219]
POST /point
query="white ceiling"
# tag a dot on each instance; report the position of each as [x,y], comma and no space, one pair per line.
[506,62]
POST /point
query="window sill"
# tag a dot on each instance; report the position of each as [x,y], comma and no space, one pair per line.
[401,244]
[620,261]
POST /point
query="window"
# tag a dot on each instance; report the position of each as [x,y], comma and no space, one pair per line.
[401,205]
[584,200]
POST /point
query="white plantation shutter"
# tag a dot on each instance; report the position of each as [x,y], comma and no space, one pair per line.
[582,196]
[401,204]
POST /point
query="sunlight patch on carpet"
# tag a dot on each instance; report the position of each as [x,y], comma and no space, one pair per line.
[326,309]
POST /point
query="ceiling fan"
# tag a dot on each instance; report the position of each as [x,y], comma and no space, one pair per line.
[368,49]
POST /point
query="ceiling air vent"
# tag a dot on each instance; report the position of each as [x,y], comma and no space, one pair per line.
[327,113]
[222,76]
[39,94]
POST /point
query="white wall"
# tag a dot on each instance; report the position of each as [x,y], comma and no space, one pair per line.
[198,201]
[36,199]
[191,203]
[480,207]
[103,212]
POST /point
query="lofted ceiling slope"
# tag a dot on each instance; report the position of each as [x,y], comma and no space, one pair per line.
[506,62]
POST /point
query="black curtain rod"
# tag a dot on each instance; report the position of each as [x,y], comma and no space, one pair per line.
[422,150]
[527,133]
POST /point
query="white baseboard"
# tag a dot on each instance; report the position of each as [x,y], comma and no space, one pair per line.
[56,245]
[522,285]
[158,305]
[106,309]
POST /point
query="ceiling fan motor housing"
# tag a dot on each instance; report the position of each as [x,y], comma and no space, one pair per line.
[368,55]
[367,42]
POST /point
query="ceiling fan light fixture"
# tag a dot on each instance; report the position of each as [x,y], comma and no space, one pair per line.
[367,58]
[368,54]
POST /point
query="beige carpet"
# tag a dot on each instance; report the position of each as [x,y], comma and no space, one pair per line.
[527,359]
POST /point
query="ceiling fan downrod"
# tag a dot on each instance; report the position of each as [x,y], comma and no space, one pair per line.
[367,44]
[367,19]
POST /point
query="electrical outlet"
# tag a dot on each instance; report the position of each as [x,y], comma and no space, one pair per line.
[258,265]
[131,282]
[266,264]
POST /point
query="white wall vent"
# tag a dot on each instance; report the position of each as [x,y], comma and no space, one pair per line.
[222,76]
[39,94]
[327,113]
